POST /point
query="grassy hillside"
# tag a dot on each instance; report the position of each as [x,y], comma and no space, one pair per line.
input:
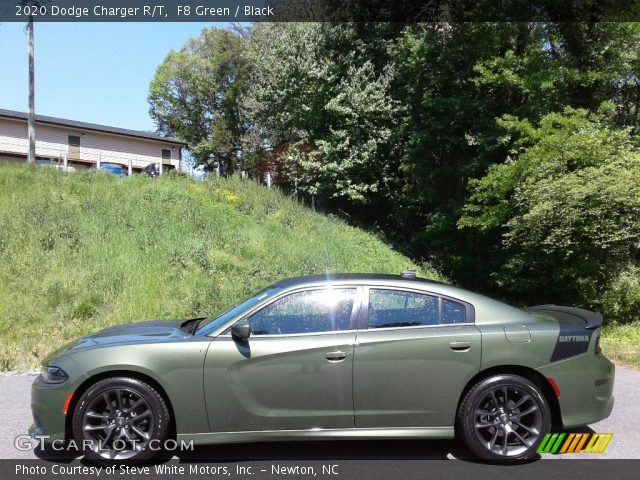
[79,252]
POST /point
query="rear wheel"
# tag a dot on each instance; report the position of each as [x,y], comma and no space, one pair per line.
[120,419]
[503,418]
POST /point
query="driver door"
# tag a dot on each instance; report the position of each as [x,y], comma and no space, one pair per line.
[294,372]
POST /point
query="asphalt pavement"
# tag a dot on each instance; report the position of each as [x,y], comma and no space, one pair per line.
[624,423]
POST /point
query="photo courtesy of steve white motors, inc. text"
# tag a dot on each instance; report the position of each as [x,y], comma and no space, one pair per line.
[171,469]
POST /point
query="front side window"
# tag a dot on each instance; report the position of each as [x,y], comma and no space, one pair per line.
[395,308]
[209,325]
[310,311]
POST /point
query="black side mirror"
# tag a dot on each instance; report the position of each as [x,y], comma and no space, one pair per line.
[241,330]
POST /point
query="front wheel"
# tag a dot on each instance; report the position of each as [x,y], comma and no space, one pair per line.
[503,418]
[120,419]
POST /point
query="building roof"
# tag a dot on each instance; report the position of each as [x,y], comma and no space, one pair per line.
[42,119]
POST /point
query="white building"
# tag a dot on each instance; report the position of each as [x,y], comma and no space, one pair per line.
[86,144]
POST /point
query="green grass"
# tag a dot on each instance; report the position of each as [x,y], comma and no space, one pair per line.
[83,251]
[621,344]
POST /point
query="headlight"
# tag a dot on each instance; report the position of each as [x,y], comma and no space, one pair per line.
[53,375]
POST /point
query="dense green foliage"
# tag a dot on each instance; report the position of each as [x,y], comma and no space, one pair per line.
[195,96]
[503,153]
[79,252]
[569,209]
[319,89]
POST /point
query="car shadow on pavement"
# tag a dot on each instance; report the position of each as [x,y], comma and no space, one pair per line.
[48,453]
[306,450]
[577,430]
[328,450]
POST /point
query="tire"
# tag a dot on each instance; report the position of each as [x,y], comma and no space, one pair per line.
[485,420]
[122,418]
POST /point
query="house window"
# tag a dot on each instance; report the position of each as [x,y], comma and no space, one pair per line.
[74,147]
[166,154]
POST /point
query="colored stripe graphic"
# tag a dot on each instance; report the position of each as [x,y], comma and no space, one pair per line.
[543,443]
[551,442]
[581,443]
[598,442]
[579,438]
[556,445]
[567,443]
[574,443]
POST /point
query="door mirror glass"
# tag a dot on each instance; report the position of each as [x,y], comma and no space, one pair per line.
[241,330]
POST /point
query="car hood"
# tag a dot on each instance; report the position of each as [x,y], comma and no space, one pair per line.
[155,331]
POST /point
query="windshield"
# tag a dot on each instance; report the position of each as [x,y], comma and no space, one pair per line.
[211,324]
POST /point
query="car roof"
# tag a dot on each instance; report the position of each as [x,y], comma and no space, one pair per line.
[376,278]
[486,309]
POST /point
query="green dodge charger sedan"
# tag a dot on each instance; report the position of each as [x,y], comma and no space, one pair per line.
[332,357]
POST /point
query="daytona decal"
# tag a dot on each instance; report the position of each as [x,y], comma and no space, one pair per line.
[572,340]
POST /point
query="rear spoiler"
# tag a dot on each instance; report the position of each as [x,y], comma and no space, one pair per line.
[591,319]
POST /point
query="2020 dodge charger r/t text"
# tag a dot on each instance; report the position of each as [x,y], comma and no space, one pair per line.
[332,357]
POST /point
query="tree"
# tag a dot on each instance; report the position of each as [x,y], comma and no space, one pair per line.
[196,93]
[567,206]
[450,139]
[455,82]
[327,110]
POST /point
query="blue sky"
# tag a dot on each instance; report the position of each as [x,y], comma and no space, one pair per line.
[91,72]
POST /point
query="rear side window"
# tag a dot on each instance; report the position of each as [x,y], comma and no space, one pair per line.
[310,311]
[453,312]
[396,308]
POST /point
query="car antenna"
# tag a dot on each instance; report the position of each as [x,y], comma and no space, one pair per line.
[409,274]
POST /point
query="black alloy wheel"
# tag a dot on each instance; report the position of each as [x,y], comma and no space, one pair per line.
[503,418]
[120,419]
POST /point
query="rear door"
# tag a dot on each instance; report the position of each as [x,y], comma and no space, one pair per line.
[414,354]
[295,370]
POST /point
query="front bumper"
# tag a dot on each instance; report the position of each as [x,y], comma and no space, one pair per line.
[47,401]
[586,388]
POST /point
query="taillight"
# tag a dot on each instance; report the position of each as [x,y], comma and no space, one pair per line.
[598,349]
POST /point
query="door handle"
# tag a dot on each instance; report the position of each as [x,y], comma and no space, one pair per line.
[460,346]
[337,356]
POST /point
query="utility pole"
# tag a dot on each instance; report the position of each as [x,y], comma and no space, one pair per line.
[31,158]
